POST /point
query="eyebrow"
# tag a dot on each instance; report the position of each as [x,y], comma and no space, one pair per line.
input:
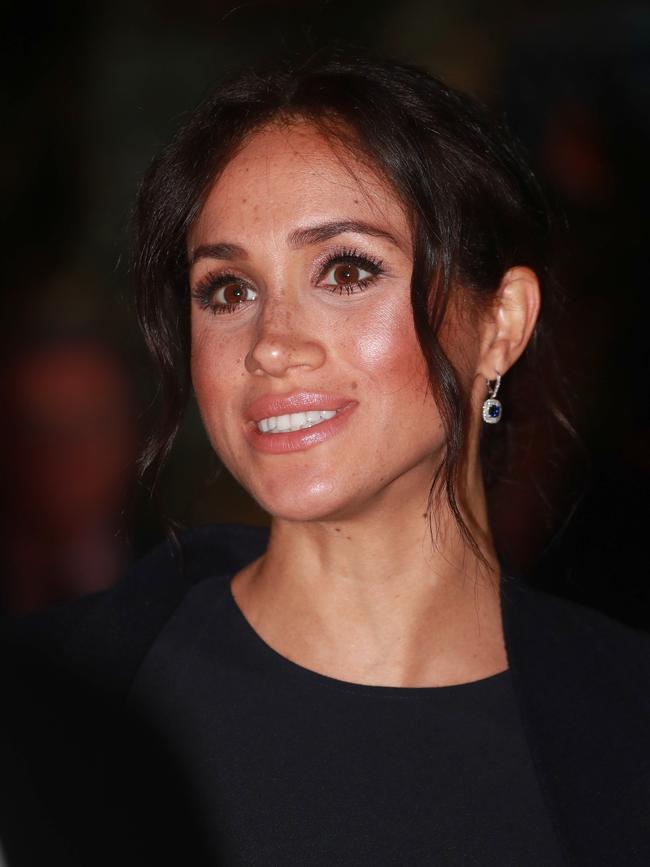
[297,238]
[327,231]
[218,251]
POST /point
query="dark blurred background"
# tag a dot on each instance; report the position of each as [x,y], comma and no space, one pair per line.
[92,91]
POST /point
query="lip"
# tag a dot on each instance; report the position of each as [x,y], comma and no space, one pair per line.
[301,401]
[297,401]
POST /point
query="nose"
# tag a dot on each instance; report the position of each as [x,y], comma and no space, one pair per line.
[280,344]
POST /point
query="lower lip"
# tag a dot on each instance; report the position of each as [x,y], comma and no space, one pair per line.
[299,440]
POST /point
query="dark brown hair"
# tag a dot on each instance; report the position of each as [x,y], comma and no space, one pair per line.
[475,210]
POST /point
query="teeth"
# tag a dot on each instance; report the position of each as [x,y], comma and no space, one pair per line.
[294,421]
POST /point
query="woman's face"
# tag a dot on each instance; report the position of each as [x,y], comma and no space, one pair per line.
[305,362]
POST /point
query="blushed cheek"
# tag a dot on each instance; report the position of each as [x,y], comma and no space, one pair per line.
[388,350]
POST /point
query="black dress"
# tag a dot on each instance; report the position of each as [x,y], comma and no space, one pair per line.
[290,767]
[164,729]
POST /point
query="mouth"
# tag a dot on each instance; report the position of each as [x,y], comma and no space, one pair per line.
[288,423]
[280,424]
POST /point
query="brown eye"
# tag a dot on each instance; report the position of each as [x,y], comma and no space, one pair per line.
[233,294]
[223,293]
[347,274]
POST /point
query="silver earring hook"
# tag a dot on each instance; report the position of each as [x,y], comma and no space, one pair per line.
[493,389]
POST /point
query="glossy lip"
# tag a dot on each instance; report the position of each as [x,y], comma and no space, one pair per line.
[301,401]
[297,401]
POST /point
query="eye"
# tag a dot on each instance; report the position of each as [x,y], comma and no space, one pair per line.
[349,272]
[223,293]
[233,294]
[346,273]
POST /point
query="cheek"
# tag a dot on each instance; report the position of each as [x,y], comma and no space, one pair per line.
[204,354]
[388,349]
[217,369]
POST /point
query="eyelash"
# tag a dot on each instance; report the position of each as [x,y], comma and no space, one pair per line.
[350,256]
[205,290]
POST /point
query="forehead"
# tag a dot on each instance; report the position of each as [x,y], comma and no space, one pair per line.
[293,174]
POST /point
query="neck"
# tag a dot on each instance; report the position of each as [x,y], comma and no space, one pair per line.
[391,596]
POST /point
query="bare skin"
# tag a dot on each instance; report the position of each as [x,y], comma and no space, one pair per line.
[352,585]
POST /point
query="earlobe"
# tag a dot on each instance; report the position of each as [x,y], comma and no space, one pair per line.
[515,314]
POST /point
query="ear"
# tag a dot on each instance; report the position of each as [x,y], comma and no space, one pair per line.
[509,322]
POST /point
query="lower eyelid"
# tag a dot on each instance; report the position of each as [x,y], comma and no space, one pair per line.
[231,309]
[343,288]
[373,277]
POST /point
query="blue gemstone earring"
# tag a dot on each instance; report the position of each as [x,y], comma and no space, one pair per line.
[492,408]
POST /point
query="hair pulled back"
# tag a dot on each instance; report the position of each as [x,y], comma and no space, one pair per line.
[475,210]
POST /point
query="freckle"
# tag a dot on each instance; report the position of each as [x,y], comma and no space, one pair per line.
[354,385]
[349,538]
[338,529]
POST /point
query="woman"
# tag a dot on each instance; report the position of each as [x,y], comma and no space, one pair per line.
[346,261]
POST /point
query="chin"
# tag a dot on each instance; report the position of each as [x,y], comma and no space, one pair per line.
[317,500]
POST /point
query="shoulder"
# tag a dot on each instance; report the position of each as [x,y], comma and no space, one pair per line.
[545,628]
[582,677]
[582,681]
[66,726]
[106,635]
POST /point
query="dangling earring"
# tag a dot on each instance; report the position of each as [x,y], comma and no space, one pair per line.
[492,407]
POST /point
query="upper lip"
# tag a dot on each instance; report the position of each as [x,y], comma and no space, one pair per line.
[298,401]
